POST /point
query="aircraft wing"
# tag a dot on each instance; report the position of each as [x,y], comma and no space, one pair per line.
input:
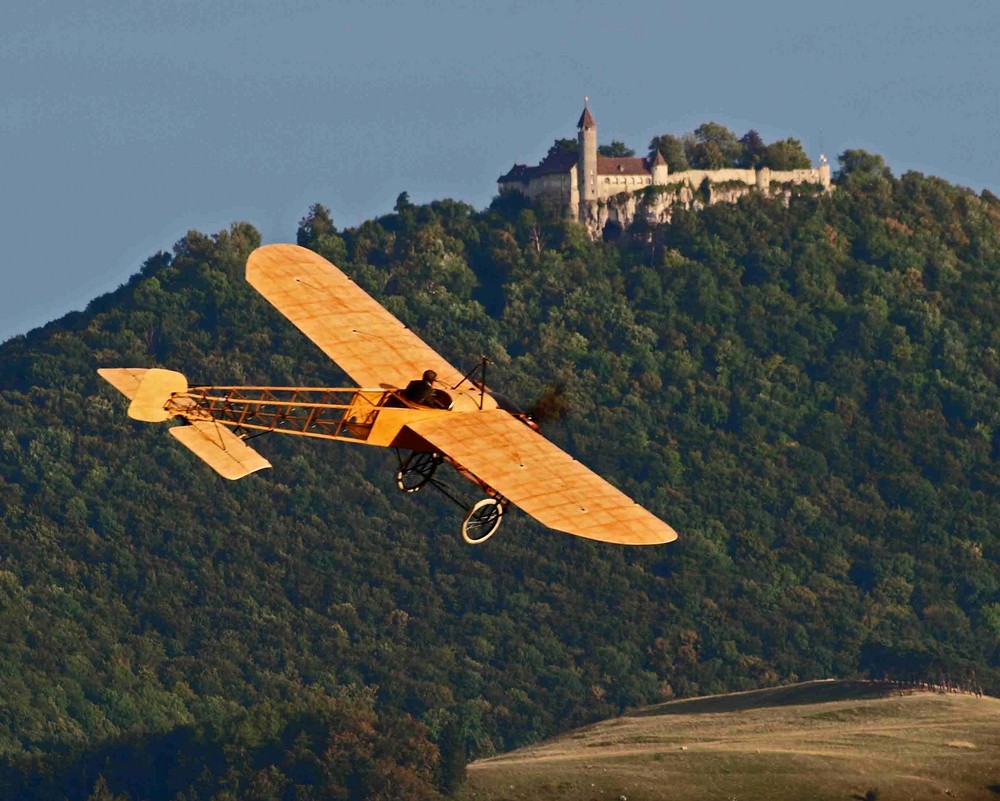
[347,324]
[544,481]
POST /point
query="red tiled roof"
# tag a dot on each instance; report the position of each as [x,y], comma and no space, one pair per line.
[564,161]
[586,119]
[516,173]
[553,164]
[560,161]
[607,165]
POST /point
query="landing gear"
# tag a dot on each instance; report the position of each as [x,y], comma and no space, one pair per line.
[482,521]
[417,470]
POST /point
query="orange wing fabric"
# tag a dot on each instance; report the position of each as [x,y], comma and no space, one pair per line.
[347,324]
[125,379]
[544,481]
[220,448]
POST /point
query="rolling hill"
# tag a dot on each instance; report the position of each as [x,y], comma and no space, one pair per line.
[817,740]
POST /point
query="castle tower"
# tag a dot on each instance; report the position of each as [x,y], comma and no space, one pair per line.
[660,170]
[586,164]
[824,172]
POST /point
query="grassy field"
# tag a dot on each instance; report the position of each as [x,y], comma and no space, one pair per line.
[819,740]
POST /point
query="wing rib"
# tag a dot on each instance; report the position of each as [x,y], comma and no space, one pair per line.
[347,324]
[544,481]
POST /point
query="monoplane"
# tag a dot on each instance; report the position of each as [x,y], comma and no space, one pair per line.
[462,423]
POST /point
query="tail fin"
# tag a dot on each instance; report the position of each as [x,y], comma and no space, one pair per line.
[220,448]
[149,390]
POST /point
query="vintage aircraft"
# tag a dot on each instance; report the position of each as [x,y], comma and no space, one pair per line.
[465,426]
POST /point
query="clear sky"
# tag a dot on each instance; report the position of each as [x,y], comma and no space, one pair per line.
[124,124]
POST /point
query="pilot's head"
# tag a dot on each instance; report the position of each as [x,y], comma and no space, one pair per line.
[430,376]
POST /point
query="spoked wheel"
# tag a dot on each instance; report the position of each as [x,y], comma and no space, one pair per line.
[417,470]
[482,521]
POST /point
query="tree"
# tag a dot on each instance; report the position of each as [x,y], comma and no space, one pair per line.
[316,224]
[101,792]
[709,156]
[713,146]
[754,149]
[861,163]
[563,146]
[616,149]
[672,149]
[785,155]
[454,756]
[317,232]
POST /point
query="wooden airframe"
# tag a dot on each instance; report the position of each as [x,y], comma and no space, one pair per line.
[500,452]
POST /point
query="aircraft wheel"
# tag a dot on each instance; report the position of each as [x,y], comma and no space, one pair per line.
[482,521]
[417,470]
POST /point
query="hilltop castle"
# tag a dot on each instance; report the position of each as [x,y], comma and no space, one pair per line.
[602,190]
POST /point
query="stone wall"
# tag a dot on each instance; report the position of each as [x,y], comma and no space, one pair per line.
[695,178]
[655,204]
[558,186]
[611,185]
[762,178]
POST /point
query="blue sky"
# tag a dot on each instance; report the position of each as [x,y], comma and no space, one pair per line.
[125,124]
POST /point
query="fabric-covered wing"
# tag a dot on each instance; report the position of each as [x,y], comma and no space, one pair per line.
[347,324]
[544,481]
[125,379]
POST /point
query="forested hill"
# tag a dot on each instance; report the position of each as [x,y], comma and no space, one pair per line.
[807,393]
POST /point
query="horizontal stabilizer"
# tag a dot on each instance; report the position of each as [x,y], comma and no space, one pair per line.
[125,379]
[149,403]
[225,453]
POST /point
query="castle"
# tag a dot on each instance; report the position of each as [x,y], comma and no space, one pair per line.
[600,190]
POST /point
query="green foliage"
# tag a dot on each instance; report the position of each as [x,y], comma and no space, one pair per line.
[754,150]
[317,232]
[314,748]
[808,393]
[672,149]
[403,203]
[785,155]
[616,149]
[861,164]
[711,147]
[564,146]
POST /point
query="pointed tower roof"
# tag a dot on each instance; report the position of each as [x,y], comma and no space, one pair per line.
[659,160]
[586,119]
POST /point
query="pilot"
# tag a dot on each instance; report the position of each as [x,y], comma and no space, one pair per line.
[421,390]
